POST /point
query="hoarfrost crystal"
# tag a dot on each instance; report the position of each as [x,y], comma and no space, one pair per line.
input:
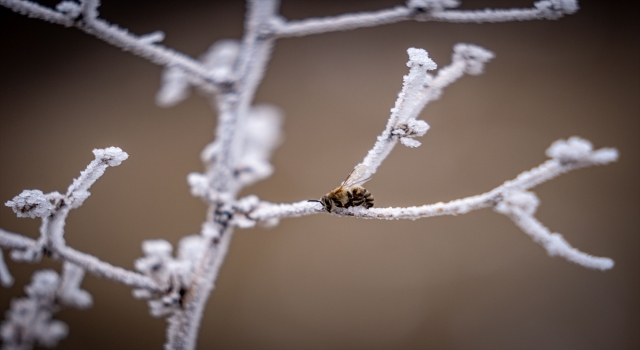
[229,74]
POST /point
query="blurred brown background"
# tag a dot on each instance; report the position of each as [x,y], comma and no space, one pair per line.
[469,282]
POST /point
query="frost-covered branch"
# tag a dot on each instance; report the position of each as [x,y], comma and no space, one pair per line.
[229,72]
[220,59]
[29,321]
[525,181]
[54,208]
[422,10]
[520,206]
[571,154]
[22,246]
[84,16]
[224,160]
[5,276]
[418,89]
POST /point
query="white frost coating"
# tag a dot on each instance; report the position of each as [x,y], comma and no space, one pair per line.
[35,10]
[420,58]
[525,201]
[52,228]
[116,36]
[69,291]
[158,247]
[103,269]
[523,182]
[10,240]
[152,38]
[174,275]
[267,211]
[78,190]
[418,89]
[510,199]
[604,156]
[30,204]
[243,207]
[570,150]
[26,249]
[221,58]
[89,9]
[435,5]
[29,320]
[566,6]
[416,127]
[176,82]
[209,230]
[5,276]
[411,143]
[155,265]
[552,242]
[231,73]
[421,10]
[70,8]
[199,185]
[174,87]
[553,9]
[262,134]
[576,149]
[191,248]
[475,57]
[44,284]
[404,111]
[113,156]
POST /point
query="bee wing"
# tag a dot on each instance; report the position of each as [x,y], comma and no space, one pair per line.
[358,176]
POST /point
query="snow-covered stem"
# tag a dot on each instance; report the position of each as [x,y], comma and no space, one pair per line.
[283,29]
[105,270]
[234,106]
[420,11]
[574,153]
[35,10]
[184,324]
[69,291]
[6,280]
[520,207]
[418,89]
[10,240]
[29,319]
[20,243]
[54,208]
[525,181]
[245,136]
[116,36]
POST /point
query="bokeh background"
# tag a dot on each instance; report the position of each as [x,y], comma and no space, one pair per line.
[469,282]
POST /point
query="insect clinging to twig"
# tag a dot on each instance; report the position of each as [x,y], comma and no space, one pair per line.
[349,193]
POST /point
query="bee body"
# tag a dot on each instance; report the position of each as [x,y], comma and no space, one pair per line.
[349,194]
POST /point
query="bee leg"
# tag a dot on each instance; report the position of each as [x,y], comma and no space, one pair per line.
[326,203]
[368,202]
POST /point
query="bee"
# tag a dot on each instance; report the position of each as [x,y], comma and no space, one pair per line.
[349,194]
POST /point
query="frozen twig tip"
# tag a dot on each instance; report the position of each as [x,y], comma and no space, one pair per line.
[420,58]
[30,204]
[177,285]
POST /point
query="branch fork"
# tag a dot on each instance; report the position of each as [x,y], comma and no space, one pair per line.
[229,72]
